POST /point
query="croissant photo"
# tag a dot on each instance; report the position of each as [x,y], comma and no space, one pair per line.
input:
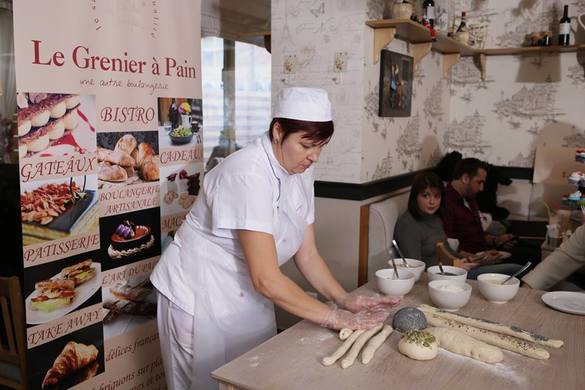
[76,363]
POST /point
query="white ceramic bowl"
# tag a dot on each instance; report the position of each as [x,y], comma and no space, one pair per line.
[459,277]
[392,287]
[417,267]
[449,295]
[491,288]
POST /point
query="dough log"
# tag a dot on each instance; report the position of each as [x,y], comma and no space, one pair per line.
[375,343]
[500,340]
[329,360]
[345,333]
[513,331]
[465,345]
[349,359]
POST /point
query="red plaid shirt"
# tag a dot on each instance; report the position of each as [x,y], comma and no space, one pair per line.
[462,222]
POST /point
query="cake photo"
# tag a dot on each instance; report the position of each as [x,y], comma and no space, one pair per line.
[58,208]
[129,239]
[52,124]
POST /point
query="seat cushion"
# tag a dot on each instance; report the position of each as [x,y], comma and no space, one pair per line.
[383,216]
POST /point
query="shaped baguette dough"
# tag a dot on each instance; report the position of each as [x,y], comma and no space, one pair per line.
[495,327]
[375,343]
[329,360]
[345,333]
[465,345]
[418,351]
[357,347]
[500,340]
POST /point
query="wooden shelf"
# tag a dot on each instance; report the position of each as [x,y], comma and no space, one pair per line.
[530,50]
[419,36]
[406,29]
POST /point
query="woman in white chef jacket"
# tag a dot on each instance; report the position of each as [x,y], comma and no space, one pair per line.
[219,278]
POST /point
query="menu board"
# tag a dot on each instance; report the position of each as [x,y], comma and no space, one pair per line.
[110,157]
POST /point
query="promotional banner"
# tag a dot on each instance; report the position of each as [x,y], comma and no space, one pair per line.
[110,155]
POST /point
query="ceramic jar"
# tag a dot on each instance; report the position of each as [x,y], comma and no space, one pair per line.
[462,37]
[397,10]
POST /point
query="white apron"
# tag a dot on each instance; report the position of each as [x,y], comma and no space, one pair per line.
[230,318]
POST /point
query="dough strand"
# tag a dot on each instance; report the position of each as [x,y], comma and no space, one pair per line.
[349,359]
[375,343]
[329,360]
[345,333]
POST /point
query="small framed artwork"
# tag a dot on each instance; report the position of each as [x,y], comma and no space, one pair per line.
[395,84]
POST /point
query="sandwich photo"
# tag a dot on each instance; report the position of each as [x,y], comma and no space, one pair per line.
[79,273]
[75,364]
[74,283]
[53,294]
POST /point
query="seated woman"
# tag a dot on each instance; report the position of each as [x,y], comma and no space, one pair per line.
[419,229]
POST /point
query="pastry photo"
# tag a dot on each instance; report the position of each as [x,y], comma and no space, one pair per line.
[68,361]
[58,208]
[127,158]
[62,293]
[55,124]
[127,305]
[130,237]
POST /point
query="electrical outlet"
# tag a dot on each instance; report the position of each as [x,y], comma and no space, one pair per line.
[340,64]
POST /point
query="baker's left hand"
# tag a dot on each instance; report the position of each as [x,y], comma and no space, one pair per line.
[356,303]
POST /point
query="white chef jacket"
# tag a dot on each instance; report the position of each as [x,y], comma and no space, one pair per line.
[249,190]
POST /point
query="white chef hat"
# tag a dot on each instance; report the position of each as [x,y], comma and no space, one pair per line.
[305,104]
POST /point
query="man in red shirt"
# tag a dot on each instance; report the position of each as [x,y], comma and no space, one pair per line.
[461,219]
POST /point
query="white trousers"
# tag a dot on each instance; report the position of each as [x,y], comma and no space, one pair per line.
[175,329]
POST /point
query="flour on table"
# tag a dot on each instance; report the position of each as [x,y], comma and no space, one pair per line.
[310,340]
[502,370]
[254,361]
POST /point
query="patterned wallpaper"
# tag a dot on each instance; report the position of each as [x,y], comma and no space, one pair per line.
[524,101]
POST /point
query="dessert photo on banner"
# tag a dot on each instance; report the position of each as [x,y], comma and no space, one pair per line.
[55,289]
[126,238]
[179,187]
[58,208]
[127,158]
[128,304]
[55,124]
[69,360]
[180,122]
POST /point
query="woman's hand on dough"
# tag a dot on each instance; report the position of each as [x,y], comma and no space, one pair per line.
[338,318]
[357,303]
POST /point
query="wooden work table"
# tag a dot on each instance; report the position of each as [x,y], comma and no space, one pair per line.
[291,360]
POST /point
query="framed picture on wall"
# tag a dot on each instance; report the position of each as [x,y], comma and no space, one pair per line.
[395,84]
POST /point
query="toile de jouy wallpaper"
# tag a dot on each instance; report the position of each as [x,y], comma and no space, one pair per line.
[524,101]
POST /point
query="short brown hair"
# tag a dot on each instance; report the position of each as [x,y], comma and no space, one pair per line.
[318,132]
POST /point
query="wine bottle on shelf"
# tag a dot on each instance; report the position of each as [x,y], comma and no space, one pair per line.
[463,25]
[429,11]
[564,28]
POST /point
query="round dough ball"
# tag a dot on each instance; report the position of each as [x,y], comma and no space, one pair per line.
[409,318]
[418,345]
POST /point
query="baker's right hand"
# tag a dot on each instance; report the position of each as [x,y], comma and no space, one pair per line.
[338,318]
